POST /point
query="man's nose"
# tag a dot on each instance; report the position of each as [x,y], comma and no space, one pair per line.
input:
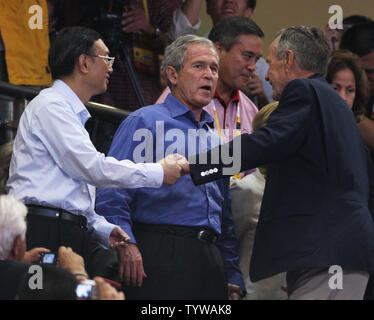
[252,65]
[208,72]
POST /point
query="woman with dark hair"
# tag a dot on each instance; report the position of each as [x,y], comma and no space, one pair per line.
[347,77]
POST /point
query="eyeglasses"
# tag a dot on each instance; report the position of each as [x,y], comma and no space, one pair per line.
[109,60]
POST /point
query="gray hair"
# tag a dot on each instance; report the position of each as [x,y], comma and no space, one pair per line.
[309,46]
[12,223]
[176,52]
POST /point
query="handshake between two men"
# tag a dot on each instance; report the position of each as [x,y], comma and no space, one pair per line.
[174,166]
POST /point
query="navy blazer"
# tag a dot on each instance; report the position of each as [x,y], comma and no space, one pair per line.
[317,203]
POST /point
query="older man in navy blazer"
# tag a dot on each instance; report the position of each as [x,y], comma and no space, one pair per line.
[317,206]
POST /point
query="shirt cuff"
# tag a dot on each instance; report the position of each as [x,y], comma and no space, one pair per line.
[155,174]
[101,232]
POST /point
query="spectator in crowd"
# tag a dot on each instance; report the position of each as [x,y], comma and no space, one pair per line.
[333,36]
[360,40]
[14,258]
[13,231]
[315,157]
[24,48]
[174,251]
[54,164]
[61,282]
[347,77]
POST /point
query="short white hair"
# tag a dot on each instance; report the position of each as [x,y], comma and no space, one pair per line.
[12,223]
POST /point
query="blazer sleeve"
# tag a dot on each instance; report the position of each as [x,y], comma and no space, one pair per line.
[285,131]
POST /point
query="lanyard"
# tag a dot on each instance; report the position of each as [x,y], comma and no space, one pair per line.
[145,6]
[238,127]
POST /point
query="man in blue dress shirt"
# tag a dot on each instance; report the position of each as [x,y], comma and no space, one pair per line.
[55,167]
[182,238]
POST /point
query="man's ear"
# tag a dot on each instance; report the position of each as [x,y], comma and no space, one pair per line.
[288,60]
[172,75]
[16,249]
[218,47]
[82,63]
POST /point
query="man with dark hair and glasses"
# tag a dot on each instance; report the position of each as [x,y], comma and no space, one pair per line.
[55,167]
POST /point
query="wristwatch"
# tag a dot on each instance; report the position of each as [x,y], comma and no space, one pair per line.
[156,34]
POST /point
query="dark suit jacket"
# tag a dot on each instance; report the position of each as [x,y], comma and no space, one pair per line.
[316,208]
[11,274]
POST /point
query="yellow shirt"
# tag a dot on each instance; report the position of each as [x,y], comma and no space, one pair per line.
[26,49]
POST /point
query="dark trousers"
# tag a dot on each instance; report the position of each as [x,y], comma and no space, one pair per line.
[178,266]
[51,233]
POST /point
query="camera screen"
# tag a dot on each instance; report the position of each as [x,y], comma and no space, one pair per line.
[48,258]
[84,290]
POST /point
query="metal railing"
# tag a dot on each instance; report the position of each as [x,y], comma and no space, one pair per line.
[14,99]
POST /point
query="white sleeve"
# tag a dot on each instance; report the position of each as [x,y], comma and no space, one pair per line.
[70,146]
[181,26]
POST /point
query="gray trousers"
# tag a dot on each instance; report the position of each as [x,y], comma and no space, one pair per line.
[319,284]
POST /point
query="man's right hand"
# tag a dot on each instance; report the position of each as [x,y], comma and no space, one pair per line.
[172,165]
[132,262]
[71,261]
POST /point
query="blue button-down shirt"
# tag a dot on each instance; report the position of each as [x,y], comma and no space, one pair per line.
[149,134]
[55,164]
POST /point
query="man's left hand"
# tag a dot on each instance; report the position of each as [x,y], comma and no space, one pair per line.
[136,21]
[118,238]
[234,292]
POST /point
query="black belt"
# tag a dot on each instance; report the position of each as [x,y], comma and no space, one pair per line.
[202,234]
[56,213]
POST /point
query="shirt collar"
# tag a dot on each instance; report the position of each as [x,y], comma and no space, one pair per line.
[316,76]
[177,108]
[234,98]
[76,104]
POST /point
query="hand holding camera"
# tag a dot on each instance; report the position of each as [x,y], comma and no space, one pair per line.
[35,255]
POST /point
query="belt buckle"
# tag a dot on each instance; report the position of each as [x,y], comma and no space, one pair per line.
[202,236]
